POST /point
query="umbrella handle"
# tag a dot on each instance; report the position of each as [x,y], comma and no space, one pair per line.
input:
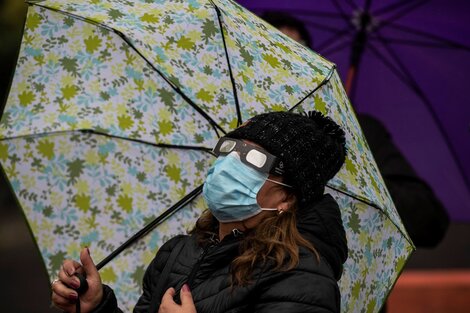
[83,283]
[80,290]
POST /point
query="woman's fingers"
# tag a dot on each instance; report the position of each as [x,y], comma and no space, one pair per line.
[89,266]
[169,294]
[63,297]
[186,296]
[187,301]
[169,306]
[62,290]
[61,302]
[70,267]
[66,274]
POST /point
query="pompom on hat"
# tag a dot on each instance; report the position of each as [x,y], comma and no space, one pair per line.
[311,147]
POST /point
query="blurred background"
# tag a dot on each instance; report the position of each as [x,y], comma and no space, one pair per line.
[411,77]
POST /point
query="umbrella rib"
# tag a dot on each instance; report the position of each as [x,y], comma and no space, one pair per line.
[344,16]
[149,227]
[337,48]
[368,203]
[232,79]
[336,36]
[123,37]
[159,145]
[320,26]
[323,14]
[390,7]
[416,43]
[427,35]
[413,85]
[176,88]
[387,63]
[326,80]
[363,200]
[400,14]
[352,4]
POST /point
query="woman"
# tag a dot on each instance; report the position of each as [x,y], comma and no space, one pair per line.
[271,241]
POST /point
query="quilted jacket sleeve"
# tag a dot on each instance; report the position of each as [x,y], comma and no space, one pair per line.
[300,291]
[152,275]
[109,302]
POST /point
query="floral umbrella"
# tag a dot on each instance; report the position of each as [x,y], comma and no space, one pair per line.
[113,111]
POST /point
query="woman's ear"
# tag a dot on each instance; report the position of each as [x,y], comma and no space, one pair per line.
[282,207]
[288,202]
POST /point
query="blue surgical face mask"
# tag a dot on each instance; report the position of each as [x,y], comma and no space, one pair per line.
[231,187]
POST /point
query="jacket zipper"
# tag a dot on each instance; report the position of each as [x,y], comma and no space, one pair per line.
[194,270]
[192,275]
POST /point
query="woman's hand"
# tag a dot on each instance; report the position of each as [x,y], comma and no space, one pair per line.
[170,306]
[64,294]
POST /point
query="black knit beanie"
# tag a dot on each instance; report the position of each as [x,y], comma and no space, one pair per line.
[311,146]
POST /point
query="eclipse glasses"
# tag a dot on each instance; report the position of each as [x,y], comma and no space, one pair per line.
[253,156]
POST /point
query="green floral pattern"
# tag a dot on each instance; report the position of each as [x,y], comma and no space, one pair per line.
[80,189]
[106,95]
[377,255]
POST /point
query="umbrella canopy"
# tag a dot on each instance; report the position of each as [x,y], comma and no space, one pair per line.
[405,63]
[115,106]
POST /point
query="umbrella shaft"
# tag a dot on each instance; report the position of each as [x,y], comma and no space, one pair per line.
[350,79]
[357,48]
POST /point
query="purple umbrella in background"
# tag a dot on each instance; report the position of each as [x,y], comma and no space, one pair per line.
[404,62]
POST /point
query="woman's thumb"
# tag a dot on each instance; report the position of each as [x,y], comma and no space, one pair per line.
[89,265]
[186,296]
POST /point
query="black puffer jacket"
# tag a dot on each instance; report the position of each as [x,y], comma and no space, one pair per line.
[310,287]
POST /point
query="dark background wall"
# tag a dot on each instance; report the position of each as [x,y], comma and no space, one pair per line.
[24,285]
